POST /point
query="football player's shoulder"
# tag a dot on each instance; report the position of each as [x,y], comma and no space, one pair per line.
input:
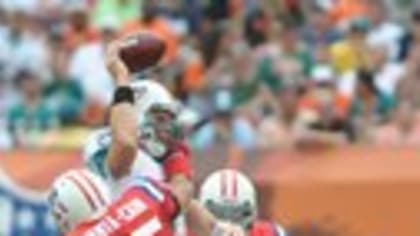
[98,139]
[96,149]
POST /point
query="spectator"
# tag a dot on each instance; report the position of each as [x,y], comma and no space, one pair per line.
[21,49]
[285,68]
[387,74]
[320,30]
[230,78]
[289,67]
[225,128]
[370,106]
[31,117]
[409,88]
[87,66]
[256,26]
[350,54]
[210,36]
[64,94]
[403,129]
[174,13]
[151,22]
[322,68]
[344,11]
[7,99]
[79,31]
[193,67]
[384,33]
[321,117]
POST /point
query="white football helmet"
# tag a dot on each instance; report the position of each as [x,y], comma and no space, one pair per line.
[152,101]
[77,196]
[230,196]
[149,93]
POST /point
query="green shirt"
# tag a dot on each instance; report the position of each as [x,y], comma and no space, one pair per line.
[121,12]
[23,119]
[383,107]
[266,71]
[66,97]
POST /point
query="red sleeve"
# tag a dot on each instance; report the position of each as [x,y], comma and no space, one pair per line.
[170,207]
[179,162]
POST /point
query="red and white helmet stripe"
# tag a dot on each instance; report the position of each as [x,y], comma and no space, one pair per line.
[87,188]
[229,185]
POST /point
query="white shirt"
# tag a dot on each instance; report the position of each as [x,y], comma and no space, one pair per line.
[387,35]
[95,151]
[87,65]
[387,79]
[24,52]
[346,84]
[28,6]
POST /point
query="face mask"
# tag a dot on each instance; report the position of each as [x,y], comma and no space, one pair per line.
[241,214]
[151,143]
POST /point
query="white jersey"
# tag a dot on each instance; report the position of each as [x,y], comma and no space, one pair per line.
[95,152]
[94,155]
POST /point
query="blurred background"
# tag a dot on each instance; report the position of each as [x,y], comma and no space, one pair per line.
[316,100]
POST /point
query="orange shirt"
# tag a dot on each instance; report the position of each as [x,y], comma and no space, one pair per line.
[347,9]
[193,79]
[161,29]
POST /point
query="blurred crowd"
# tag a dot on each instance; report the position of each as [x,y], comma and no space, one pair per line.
[254,74]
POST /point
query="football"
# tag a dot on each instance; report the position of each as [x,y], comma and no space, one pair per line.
[141,51]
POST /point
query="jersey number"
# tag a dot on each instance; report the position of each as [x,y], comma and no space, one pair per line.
[132,210]
[150,228]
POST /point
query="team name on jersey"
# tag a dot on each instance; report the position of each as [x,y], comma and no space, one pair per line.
[124,214]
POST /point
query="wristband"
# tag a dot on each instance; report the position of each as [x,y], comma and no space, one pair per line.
[123,94]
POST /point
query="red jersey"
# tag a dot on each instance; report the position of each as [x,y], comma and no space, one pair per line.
[266,228]
[178,162]
[145,209]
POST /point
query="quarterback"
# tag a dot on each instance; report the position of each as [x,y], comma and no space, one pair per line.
[156,133]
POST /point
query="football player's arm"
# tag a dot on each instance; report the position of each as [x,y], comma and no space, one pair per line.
[179,170]
[183,190]
[200,219]
[122,117]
